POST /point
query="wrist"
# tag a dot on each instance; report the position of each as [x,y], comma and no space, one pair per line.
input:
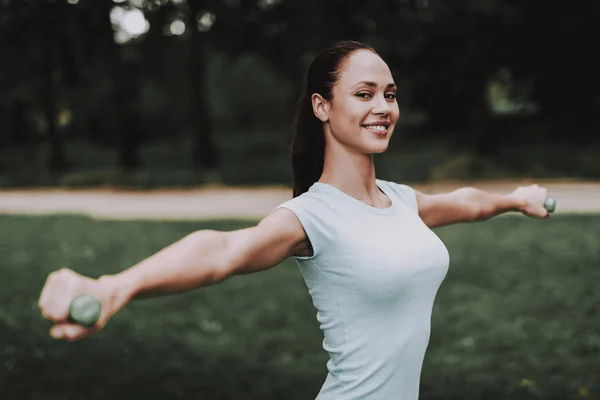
[119,290]
[517,203]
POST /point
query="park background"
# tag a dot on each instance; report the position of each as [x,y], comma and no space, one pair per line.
[165,93]
[188,94]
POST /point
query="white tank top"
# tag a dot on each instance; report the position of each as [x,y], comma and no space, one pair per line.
[373,278]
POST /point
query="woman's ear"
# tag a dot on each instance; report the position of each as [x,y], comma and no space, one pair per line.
[320,107]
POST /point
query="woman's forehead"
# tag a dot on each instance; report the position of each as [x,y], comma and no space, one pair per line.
[364,65]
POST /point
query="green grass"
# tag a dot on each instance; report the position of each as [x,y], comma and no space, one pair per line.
[517,317]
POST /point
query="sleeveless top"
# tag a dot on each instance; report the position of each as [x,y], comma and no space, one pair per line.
[373,277]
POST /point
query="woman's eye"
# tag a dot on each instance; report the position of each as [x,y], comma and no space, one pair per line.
[366,95]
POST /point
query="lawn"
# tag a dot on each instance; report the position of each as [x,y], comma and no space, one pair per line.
[517,317]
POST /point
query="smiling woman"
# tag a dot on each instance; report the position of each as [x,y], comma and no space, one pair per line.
[349,103]
[370,261]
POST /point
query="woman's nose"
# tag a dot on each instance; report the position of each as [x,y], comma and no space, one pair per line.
[381,106]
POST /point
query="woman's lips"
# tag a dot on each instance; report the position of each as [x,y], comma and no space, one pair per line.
[378,130]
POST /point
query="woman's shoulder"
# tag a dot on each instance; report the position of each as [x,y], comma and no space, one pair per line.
[396,186]
[406,193]
[311,199]
[314,211]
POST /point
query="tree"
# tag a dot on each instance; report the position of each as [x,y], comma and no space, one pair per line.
[466,42]
[32,39]
[204,153]
[553,45]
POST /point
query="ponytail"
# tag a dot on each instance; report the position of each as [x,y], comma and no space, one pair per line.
[308,147]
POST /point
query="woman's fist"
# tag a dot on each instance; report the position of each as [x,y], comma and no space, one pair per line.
[532,200]
[61,288]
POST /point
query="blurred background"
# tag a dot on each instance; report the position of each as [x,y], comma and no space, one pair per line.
[149,94]
[157,93]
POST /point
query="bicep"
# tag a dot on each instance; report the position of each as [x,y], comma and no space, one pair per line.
[278,236]
[447,208]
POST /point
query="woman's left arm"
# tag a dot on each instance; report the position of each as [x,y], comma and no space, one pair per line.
[470,204]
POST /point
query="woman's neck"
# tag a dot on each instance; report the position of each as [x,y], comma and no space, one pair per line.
[353,174]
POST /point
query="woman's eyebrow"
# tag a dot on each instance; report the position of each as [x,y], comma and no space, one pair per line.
[374,85]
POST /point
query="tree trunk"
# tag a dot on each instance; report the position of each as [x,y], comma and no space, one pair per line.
[130,127]
[484,142]
[19,128]
[125,80]
[70,72]
[204,152]
[57,160]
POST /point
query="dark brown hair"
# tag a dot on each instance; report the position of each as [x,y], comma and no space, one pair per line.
[308,141]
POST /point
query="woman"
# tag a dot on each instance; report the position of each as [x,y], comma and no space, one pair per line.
[365,247]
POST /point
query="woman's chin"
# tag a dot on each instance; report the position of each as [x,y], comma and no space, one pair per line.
[377,148]
[379,145]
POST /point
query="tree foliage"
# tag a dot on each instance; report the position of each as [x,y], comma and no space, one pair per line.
[69,73]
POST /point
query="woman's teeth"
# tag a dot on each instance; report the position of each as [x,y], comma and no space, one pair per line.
[379,128]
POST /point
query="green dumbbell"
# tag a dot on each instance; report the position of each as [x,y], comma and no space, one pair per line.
[550,204]
[85,310]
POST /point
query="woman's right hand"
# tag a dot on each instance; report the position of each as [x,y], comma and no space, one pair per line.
[61,288]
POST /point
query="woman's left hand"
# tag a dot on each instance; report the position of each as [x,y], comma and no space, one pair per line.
[531,200]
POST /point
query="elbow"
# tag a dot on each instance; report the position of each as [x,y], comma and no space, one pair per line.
[226,267]
[221,271]
[473,208]
[219,275]
[481,208]
[479,213]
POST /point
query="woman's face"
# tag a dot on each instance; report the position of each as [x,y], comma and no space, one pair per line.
[363,111]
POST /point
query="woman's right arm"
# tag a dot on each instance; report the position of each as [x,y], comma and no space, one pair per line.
[207,257]
[202,258]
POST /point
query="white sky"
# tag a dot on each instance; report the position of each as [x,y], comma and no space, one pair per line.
[130,23]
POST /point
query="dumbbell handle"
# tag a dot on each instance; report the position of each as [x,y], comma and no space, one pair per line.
[85,310]
[550,204]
